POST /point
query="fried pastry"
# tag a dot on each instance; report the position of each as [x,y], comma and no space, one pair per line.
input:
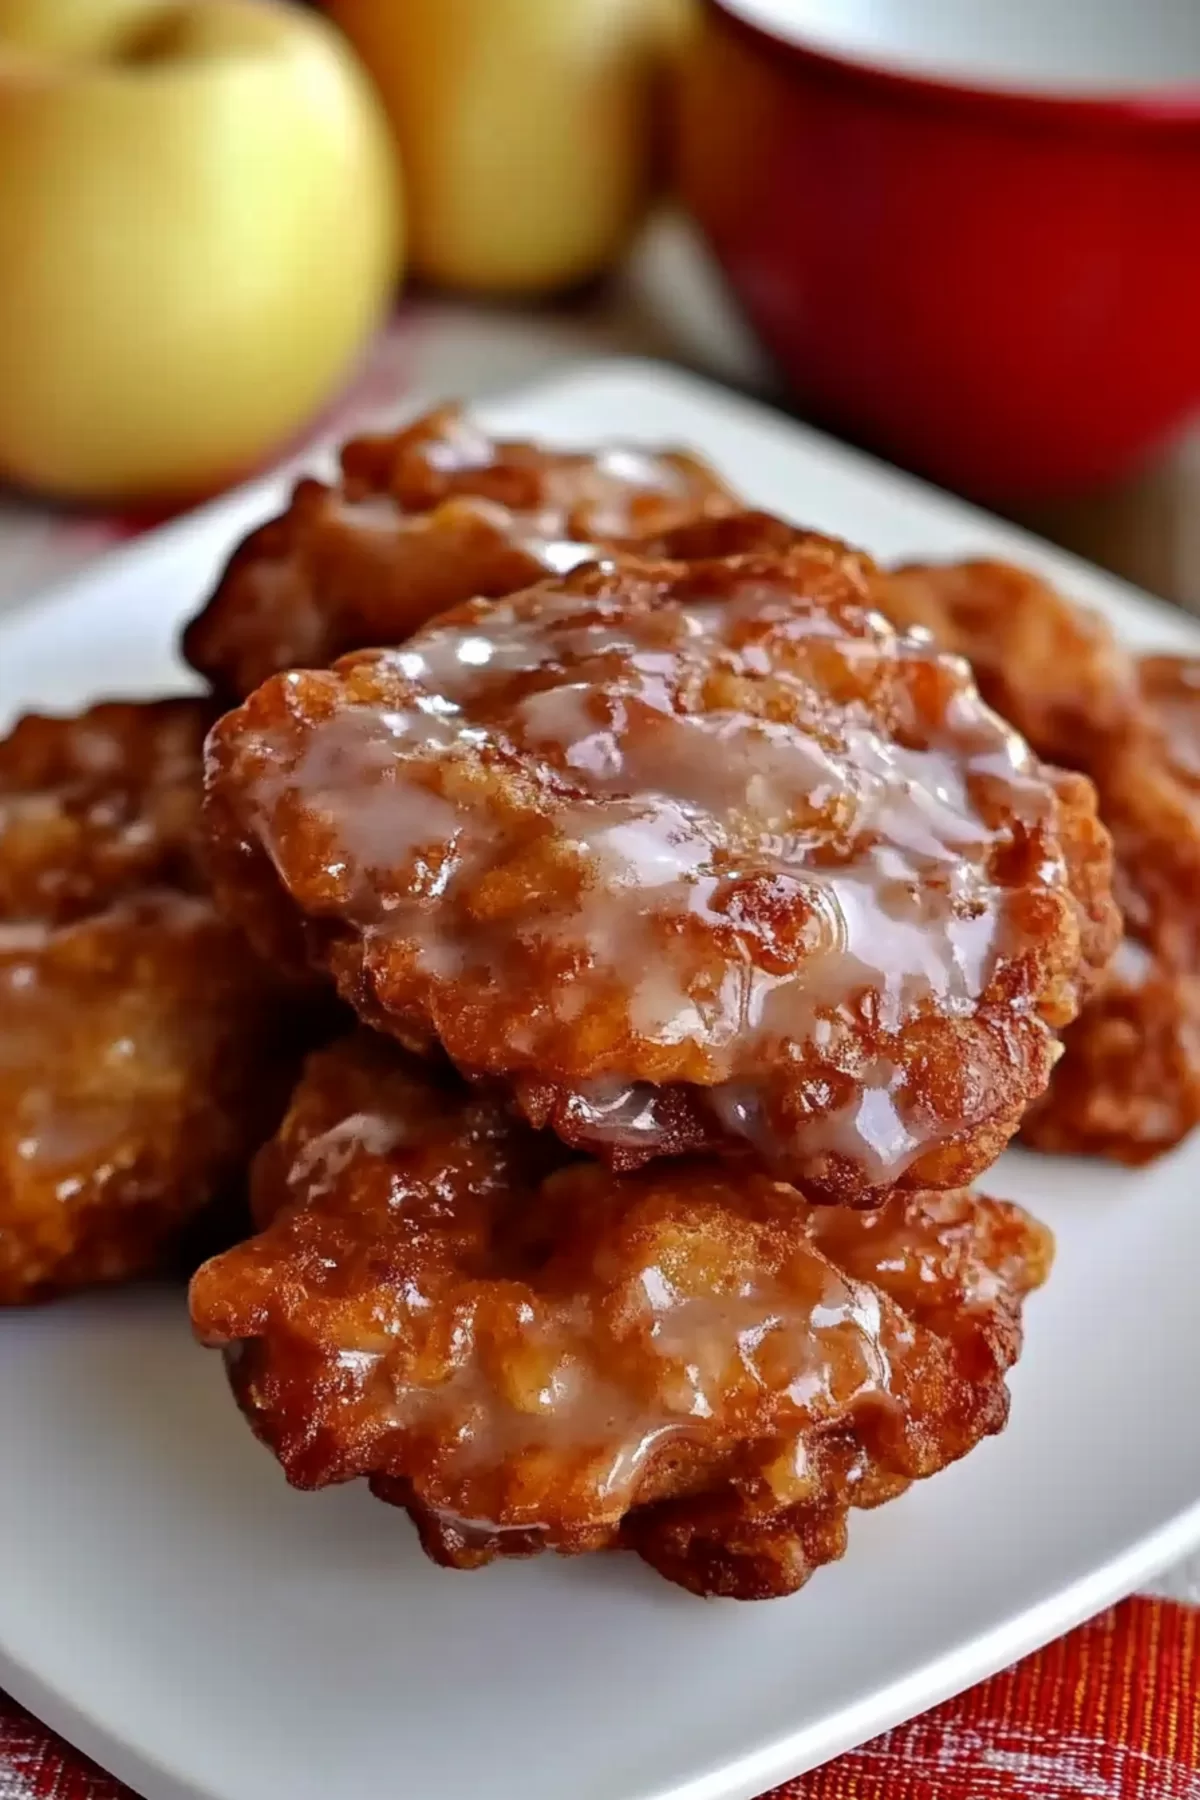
[531,1353]
[1054,669]
[690,857]
[419,521]
[1149,782]
[145,1053]
[100,805]
[718,536]
[1128,1085]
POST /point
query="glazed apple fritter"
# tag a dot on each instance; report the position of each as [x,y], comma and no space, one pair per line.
[1128,1086]
[530,1353]
[100,805]
[1149,782]
[1054,669]
[143,1059]
[421,520]
[692,857]
[145,1051]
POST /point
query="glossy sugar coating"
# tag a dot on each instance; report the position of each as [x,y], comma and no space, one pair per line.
[419,521]
[144,1055]
[100,804]
[690,856]
[1057,672]
[1128,1085]
[530,1353]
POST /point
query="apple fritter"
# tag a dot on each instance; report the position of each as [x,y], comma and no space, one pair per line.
[1128,1085]
[1054,669]
[419,521]
[691,857]
[145,1053]
[99,805]
[531,1353]
[1149,783]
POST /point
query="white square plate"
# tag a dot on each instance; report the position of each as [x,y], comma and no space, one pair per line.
[169,1605]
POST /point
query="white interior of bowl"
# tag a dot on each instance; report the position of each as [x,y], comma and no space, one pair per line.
[1070,47]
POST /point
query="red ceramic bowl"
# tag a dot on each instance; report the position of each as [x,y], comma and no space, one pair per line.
[970,238]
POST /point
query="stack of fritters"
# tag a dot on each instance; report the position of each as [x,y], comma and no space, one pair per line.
[711,936]
[696,857]
[145,1051]
[706,935]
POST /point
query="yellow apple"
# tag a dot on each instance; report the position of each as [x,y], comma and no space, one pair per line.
[198,228]
[524,129]
[70,27]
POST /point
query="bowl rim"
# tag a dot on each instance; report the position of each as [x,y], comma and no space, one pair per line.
[1173,108]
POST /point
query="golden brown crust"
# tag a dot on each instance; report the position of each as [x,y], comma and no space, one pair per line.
[145,1051]
[1128,1085]
[620,492]
[421,520]
[99,805]
[1052,668]
[704,1368]
[693,856]
[1149,781]
[739,533]
[144,1054]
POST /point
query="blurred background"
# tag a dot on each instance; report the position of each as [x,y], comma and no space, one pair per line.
[966,237]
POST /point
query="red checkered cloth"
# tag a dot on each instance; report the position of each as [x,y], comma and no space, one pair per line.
[1111,1712]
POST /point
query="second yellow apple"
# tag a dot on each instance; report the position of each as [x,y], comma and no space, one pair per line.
[524,129]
